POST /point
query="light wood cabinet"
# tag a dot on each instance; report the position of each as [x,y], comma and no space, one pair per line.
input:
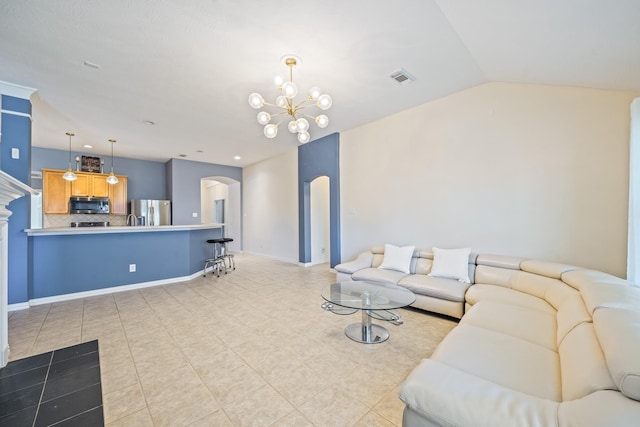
[56,191]
[90,185]
[118,196]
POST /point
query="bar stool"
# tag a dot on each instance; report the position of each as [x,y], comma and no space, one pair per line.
[225,253]
[217,262]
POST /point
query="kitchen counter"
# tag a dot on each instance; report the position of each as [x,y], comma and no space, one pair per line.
[87,261]
[58,231]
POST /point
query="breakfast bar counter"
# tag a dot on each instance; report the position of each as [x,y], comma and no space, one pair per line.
[57,231]
[81,262]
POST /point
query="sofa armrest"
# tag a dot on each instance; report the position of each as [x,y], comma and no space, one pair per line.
[364,260]
[449,397]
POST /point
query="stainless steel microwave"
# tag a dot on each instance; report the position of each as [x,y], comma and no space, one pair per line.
[89,205]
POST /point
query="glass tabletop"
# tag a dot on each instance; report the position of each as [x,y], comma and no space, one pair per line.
[367,295]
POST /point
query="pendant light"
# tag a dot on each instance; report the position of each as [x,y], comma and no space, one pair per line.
[69,175]
[112,179]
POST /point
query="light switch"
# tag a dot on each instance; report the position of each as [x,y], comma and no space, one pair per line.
[15,153]
[195,214]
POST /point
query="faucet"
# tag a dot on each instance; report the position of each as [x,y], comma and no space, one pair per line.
[131,216]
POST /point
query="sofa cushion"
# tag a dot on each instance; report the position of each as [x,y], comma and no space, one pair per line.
[535,326]
[379,275]
[502,359]
[602,408]
[481,291]
[397,258]
[451,264]
[447,289]
[582,363]
[619,335]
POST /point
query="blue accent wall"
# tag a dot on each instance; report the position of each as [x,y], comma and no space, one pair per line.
[77,263]
[184,186]
[16,133]
[146,179]
[315,159]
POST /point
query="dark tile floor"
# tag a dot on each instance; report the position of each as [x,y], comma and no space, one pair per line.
[61,388]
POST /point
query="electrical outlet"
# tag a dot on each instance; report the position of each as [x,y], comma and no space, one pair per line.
[195,214]
[132,268]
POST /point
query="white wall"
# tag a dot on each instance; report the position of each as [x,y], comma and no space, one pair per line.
[270,207]
[526,170]
[319,207]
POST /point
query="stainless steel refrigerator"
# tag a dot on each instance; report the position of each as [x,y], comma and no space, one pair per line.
[151,212]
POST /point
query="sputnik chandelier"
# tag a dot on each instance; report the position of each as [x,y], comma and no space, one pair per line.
[291,111]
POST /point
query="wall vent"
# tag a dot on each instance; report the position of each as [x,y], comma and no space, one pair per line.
[402,76]
[36,174]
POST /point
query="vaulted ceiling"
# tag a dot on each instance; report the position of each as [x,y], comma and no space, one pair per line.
[102,68]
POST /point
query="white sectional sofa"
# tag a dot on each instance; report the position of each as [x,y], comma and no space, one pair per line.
[436,294]
[539,344]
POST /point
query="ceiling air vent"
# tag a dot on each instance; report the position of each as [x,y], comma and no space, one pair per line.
[402,76]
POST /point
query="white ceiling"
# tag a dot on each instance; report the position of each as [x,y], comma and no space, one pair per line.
[189,66]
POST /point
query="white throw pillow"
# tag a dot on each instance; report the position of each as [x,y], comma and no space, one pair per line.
[397,258]
[451,264]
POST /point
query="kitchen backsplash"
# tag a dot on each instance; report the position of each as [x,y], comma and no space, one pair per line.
[66,220]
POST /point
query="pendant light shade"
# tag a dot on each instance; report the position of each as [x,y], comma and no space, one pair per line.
[69,175]
[112,179]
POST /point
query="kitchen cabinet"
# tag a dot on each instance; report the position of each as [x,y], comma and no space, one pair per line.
[55,192]
[90,185]
[118,196]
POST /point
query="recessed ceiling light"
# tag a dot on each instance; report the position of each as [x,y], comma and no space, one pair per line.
[237,157]
[91,65]
[87,146]
[148,122]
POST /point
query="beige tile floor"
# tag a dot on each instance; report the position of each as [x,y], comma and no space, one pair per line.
[252,348]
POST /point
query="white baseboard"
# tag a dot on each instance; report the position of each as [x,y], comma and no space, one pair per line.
[103,291]
[18,306]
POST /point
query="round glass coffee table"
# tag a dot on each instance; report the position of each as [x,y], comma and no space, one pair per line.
[373,299]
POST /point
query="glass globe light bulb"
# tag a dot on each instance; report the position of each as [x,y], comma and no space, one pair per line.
[264,117]
[277,80]
[289,89]
[270,131]
[292,126]
[322,121]
[302,125]
[256,100]
[314,93]
[324,102]
[69,175]
[304,137]
[112,179]
[282,102]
